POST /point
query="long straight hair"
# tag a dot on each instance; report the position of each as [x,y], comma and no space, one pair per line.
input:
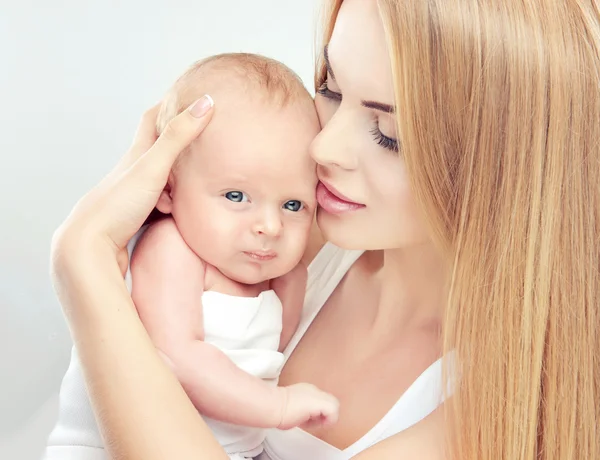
[499,120]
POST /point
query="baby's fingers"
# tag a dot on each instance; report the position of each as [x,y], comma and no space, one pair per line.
[330,410]
[316,423]
[324,412]
[326,415]
[152,169]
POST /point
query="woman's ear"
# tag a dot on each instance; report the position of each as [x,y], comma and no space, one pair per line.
[165,201]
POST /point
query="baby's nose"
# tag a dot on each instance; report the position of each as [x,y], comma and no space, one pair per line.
[269,225]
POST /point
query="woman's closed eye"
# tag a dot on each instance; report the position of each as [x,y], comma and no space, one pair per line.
[324,91]
[236,196]
[388,143]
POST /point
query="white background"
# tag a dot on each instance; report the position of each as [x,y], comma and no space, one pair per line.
[74,78]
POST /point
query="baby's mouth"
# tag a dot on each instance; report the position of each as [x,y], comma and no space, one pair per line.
[261,255]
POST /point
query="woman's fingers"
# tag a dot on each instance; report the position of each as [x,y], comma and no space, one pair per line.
[131,196]
[116,208]
[153,167]
[145,137]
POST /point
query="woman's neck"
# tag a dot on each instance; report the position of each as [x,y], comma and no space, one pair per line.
[411,284]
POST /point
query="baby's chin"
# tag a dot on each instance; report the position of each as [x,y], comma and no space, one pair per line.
[258,273]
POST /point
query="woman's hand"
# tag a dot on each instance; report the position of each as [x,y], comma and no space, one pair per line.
[140,407]
[110,214]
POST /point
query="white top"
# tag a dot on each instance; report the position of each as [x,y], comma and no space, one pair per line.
[246,329]
[76,436]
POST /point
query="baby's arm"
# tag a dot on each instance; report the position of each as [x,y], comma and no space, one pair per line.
[290,289]
[167,286]
[168,282]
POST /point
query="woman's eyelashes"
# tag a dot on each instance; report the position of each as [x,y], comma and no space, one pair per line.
[381,139]
[386,142]
[324,91]
[237,196]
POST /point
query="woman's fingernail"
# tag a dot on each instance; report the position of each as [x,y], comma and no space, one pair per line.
[201,106]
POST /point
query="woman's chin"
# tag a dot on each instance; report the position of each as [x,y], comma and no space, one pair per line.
[341,230]
[359,230]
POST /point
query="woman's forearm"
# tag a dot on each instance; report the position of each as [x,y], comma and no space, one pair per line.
[142,411]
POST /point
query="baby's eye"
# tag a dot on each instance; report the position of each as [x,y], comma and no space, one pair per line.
[236,196]
[293,205]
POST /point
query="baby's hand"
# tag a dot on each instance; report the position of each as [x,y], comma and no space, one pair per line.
[304,404]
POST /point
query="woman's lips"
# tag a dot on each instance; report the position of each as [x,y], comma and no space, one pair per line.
[334,202]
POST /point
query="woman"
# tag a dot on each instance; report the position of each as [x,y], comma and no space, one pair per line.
[459,166]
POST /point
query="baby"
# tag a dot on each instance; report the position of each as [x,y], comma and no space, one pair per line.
[218,284]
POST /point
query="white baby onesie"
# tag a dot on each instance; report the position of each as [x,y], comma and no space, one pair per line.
[247,330]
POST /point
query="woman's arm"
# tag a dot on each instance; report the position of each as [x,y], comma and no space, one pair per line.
[142,411]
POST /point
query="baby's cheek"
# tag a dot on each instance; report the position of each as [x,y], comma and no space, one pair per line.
[212,236]
[299,240]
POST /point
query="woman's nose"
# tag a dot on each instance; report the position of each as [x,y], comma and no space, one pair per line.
[334,146]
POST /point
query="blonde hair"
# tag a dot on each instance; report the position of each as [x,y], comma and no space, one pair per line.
[272,79]
[499,123]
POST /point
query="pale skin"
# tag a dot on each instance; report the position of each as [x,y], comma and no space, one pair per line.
[242,202]
[390,300]
[389,303]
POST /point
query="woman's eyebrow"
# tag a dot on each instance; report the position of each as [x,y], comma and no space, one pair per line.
[379,106]
[327,63]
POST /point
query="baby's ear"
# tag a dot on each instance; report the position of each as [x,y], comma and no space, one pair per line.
[165,200]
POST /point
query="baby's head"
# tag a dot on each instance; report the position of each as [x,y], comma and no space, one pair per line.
[243,194]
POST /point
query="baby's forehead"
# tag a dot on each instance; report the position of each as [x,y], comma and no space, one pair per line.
[247,123]
[248,132]
[243,108]
[256,141]
[266,169]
